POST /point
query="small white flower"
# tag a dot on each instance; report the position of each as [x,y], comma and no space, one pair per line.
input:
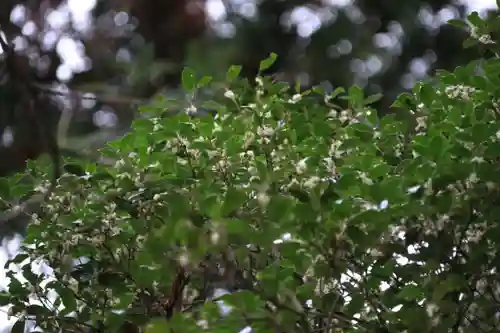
[191,109]
[486,39]
[473,30]
[203,324]
[346,113]
[330,164]
[212,153]
[473,178]
[265,131]
[460,91]
[312,182]
[343,119]
[301,166]
[120,163]
[229,94]
[376,253]
[215,237]
[263,199]
[421,123]
[333,114]
[295,98]
[442,221]
[478,159]
[184,259]
[365,179]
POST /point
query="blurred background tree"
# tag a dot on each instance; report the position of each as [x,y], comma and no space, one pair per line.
[94,59]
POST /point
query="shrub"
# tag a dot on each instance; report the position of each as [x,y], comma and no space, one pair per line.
[315,218]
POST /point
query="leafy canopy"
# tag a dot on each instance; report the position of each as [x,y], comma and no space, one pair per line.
[317,218]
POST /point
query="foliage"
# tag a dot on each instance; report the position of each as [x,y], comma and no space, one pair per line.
[126,51]
[383,225]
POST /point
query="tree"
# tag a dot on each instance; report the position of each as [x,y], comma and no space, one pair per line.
[383,225]
[168,26]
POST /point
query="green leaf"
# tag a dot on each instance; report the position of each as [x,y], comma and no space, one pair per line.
[416,318]
[68,298]
[336,92]
[142,125]
[404,100]
[372,99]
[74,169]
[437,147]
[125,299]
[115,323]
[181,205]
[188,79]
[243,300]
[19,326]
[5,298]
[22,191]
[20,257]
[491,68]
[411,292]
[475,19]
[233,72]
[452,283]
[279,206]
[355,96]
[36,310]
[238,228]
[425,93]
[267,63]
[233,200]
[204,81]
[358,300]
[458,23]
[298,85]
[212,105]
[29,275]
[470,42]
[357,235]
[4,188]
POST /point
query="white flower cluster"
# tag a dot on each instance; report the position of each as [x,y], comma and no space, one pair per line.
[481,38]
[460,92]
[295,98]
[486,39]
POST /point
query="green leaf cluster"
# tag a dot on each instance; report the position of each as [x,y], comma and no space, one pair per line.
[319,218]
